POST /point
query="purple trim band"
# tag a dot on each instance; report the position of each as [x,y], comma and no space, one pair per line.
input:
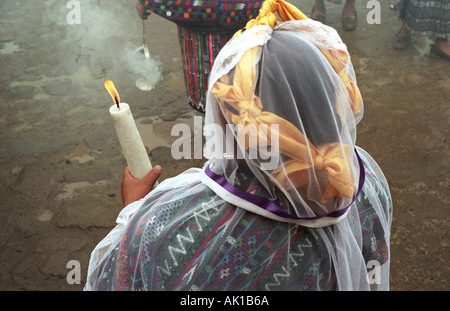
[273,208]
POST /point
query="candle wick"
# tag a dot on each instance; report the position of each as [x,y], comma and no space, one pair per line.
[117,102]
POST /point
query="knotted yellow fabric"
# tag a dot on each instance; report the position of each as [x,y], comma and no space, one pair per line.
[337,58]
[329,159]
[242,106]
[267,16]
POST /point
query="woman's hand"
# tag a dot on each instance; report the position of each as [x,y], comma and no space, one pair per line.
[143,13]
[134,189]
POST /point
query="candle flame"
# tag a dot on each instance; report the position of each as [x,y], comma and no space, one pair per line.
[109,85]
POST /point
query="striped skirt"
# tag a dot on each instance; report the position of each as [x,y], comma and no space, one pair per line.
[198,51]
[426,17]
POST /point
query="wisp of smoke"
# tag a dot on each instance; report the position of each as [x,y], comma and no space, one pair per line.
[105,39]
[149,69]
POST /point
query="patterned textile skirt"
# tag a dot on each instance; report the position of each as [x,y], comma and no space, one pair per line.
[182,236]
[198,51]
[426,17]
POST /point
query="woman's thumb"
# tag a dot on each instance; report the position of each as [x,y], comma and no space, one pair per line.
[153,175]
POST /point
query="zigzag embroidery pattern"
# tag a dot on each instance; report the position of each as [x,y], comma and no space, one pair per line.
[187,237]
[277,276]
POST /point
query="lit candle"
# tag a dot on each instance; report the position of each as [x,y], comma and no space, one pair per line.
[128,134]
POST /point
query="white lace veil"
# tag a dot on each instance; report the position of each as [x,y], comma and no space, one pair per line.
[292,113]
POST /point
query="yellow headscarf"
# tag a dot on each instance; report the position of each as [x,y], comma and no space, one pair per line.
[331,158]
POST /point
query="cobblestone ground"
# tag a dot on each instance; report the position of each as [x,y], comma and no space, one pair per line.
[61,165]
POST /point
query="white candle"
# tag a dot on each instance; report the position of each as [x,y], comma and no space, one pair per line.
[130,141]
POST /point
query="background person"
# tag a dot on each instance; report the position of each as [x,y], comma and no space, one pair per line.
[424,18]
[203,29]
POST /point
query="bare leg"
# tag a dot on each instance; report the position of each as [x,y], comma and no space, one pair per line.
[441,48]
[318,12]
[349,16]
[349,9]
[403,32]
[443,45]
[402,38]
